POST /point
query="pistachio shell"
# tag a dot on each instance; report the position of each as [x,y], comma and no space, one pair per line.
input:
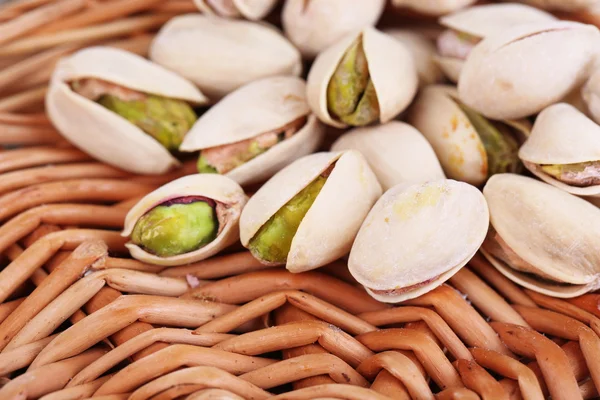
[309,25]
[391,67]
[452,67]
[562,135]
[433,7]
[591,95]
[418,234]
[396,152]
[278,101]
[100,132]
[330,225]
[216,187]
[220,55]
[423,52]
[562,5]
[249,9]
[555,232]
[522,70]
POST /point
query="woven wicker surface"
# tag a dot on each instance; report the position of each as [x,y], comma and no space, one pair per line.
[79,319]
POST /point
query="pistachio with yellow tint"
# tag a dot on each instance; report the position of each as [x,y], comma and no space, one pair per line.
[542,237]
[432,7]
[364,78]
[416,237]
[469,146]
[467,27]
[129,117]
[249,9]
[186,220]
[234,142]
[220,55]
[309,25]
[564,150]
[397,153]
[308,214]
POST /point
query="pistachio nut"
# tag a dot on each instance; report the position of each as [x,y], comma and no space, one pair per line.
[310,26]
[542,237]
[186,220]
[590,92]
[234,142]
[249,9]
[130,116]
[467,27]
[366,77]
[308,214]
[562,5]
[416,237]
[469,146]
[219,55]
[564,150]
[432,7]
[423,52]
[396,152]
[523,69]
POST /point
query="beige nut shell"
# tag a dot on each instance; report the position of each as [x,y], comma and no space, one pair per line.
[433,7]
[416,233]
[563,5]
[391,67]
[328,229]
[590,93]
[102,133]
[216,187]
[249,9]
[562,135]
[396,152]
[279,101]
[550,229]
[310,26]
[507,75]
[219,55]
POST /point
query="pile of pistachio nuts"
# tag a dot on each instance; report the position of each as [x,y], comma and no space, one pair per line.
[404,149]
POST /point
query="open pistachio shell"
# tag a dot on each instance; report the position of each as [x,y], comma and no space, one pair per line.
[438,114]
[482,21]
[396,152]
[310,26]
[228,196]
[249,9]
[507,75]
[433,7]
[416,237]
[328,228]
[554,235]
[278,101]
[102,133]
[562,135]
[391,70]
[423,52]
[220,55]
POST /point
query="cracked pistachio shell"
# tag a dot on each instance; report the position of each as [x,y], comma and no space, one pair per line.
[433,7]
[562,135]
[391,67]
[416,237]
[396,152]
[328,229]
[484,20]
[102,133]
[563,5]
[310,26]
[219,55]
[423,52]
[228,195]
[249,9]
[555,232]
[278,101]
[521,70]
[458,146]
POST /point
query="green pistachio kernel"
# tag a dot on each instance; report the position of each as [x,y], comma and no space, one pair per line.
[166,120]
[273,240]
[581,174]
[170,230]
[557,170]
[246,151]
[204,167]
[351,95]
[500,146]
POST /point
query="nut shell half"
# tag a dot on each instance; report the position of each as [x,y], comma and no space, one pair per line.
[249,9]
[221,189]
